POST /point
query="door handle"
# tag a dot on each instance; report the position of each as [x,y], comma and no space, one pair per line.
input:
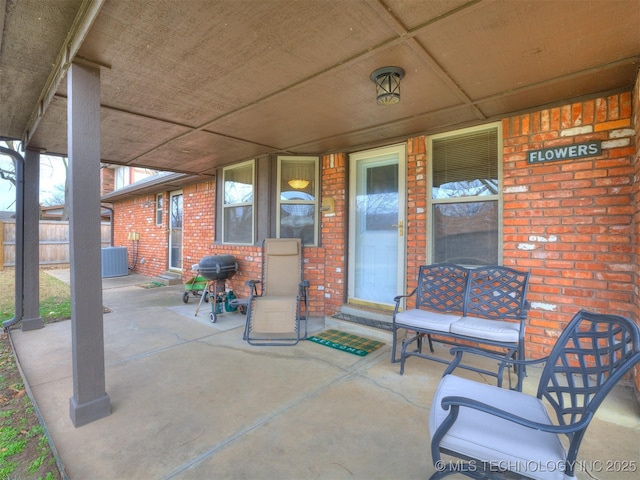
[400,227]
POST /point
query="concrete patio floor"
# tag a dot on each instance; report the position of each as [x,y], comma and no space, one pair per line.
[192,400]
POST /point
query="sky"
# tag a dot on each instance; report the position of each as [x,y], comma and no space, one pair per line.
[52,174]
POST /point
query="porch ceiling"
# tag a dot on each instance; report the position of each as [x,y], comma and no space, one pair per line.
[187,86]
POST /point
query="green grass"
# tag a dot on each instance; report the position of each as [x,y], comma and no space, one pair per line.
[55,308]
[24,446]
[55,297]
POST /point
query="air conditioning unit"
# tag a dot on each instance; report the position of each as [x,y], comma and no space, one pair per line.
[114,262]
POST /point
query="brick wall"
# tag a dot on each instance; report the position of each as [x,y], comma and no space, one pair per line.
[569,222]
[249,260]
[416,209]
[197,224]
[199,241]
[107,180]
[327,291]
[139,215]
[636,217]
[572,224]
[334,233]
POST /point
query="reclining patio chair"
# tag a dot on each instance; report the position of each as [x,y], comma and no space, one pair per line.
[494,430]
[274,316]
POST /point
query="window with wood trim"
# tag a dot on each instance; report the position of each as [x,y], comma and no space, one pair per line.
[465,198]
[238,209]
[297,200]
[159,201]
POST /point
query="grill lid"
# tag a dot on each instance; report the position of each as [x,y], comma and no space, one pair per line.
[218,267]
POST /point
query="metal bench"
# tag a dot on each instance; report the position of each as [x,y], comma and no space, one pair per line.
[485,306]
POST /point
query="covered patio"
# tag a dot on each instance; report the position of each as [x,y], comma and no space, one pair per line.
[193,400]
[195,87]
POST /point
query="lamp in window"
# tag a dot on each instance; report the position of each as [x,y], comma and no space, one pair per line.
[298,183]
[387,80]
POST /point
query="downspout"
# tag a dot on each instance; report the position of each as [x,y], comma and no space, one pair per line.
[19,248]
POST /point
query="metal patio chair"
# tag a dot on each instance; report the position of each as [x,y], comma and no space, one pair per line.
[493,431]
[275,315]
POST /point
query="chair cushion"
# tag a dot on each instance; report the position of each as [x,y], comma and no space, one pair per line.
[500,331]
[485,437]
[424,319]
[282,246]
[274,315]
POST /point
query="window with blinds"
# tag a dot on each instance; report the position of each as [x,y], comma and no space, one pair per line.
[465,200]
[465,165]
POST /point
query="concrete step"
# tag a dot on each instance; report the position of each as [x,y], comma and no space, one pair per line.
[376,320]
[358,329]
[169,278]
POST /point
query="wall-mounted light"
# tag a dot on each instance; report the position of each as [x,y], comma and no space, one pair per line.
[387,80]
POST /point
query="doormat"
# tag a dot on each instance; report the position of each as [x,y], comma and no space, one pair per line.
[346,342]
[151,285]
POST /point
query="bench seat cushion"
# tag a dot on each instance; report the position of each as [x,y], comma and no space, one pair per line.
[497,330]
[426,320]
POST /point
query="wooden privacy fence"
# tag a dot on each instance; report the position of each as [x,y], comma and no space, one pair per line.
[54,242]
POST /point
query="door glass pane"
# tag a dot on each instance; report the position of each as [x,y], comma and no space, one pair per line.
[381,211]
[376,252]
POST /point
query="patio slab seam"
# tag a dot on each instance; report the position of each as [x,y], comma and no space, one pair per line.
[155,351]
[347,373]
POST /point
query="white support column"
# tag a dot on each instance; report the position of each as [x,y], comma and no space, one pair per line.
[90,401]
[31,308]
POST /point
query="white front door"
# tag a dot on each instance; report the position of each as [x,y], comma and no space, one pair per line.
[175,231]
[376,227]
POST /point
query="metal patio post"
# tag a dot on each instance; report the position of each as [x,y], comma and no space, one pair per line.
[90,401]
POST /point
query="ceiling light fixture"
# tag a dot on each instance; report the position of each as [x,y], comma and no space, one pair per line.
[387,80]
[298,183]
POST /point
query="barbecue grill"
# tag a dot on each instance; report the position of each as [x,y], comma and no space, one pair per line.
[217,269]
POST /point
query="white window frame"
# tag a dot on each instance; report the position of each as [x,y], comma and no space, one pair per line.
[431,202]
[251,204]
[159,208]
[122,177]
[316,192]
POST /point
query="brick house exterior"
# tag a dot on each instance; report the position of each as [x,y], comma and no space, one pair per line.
[573,224]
